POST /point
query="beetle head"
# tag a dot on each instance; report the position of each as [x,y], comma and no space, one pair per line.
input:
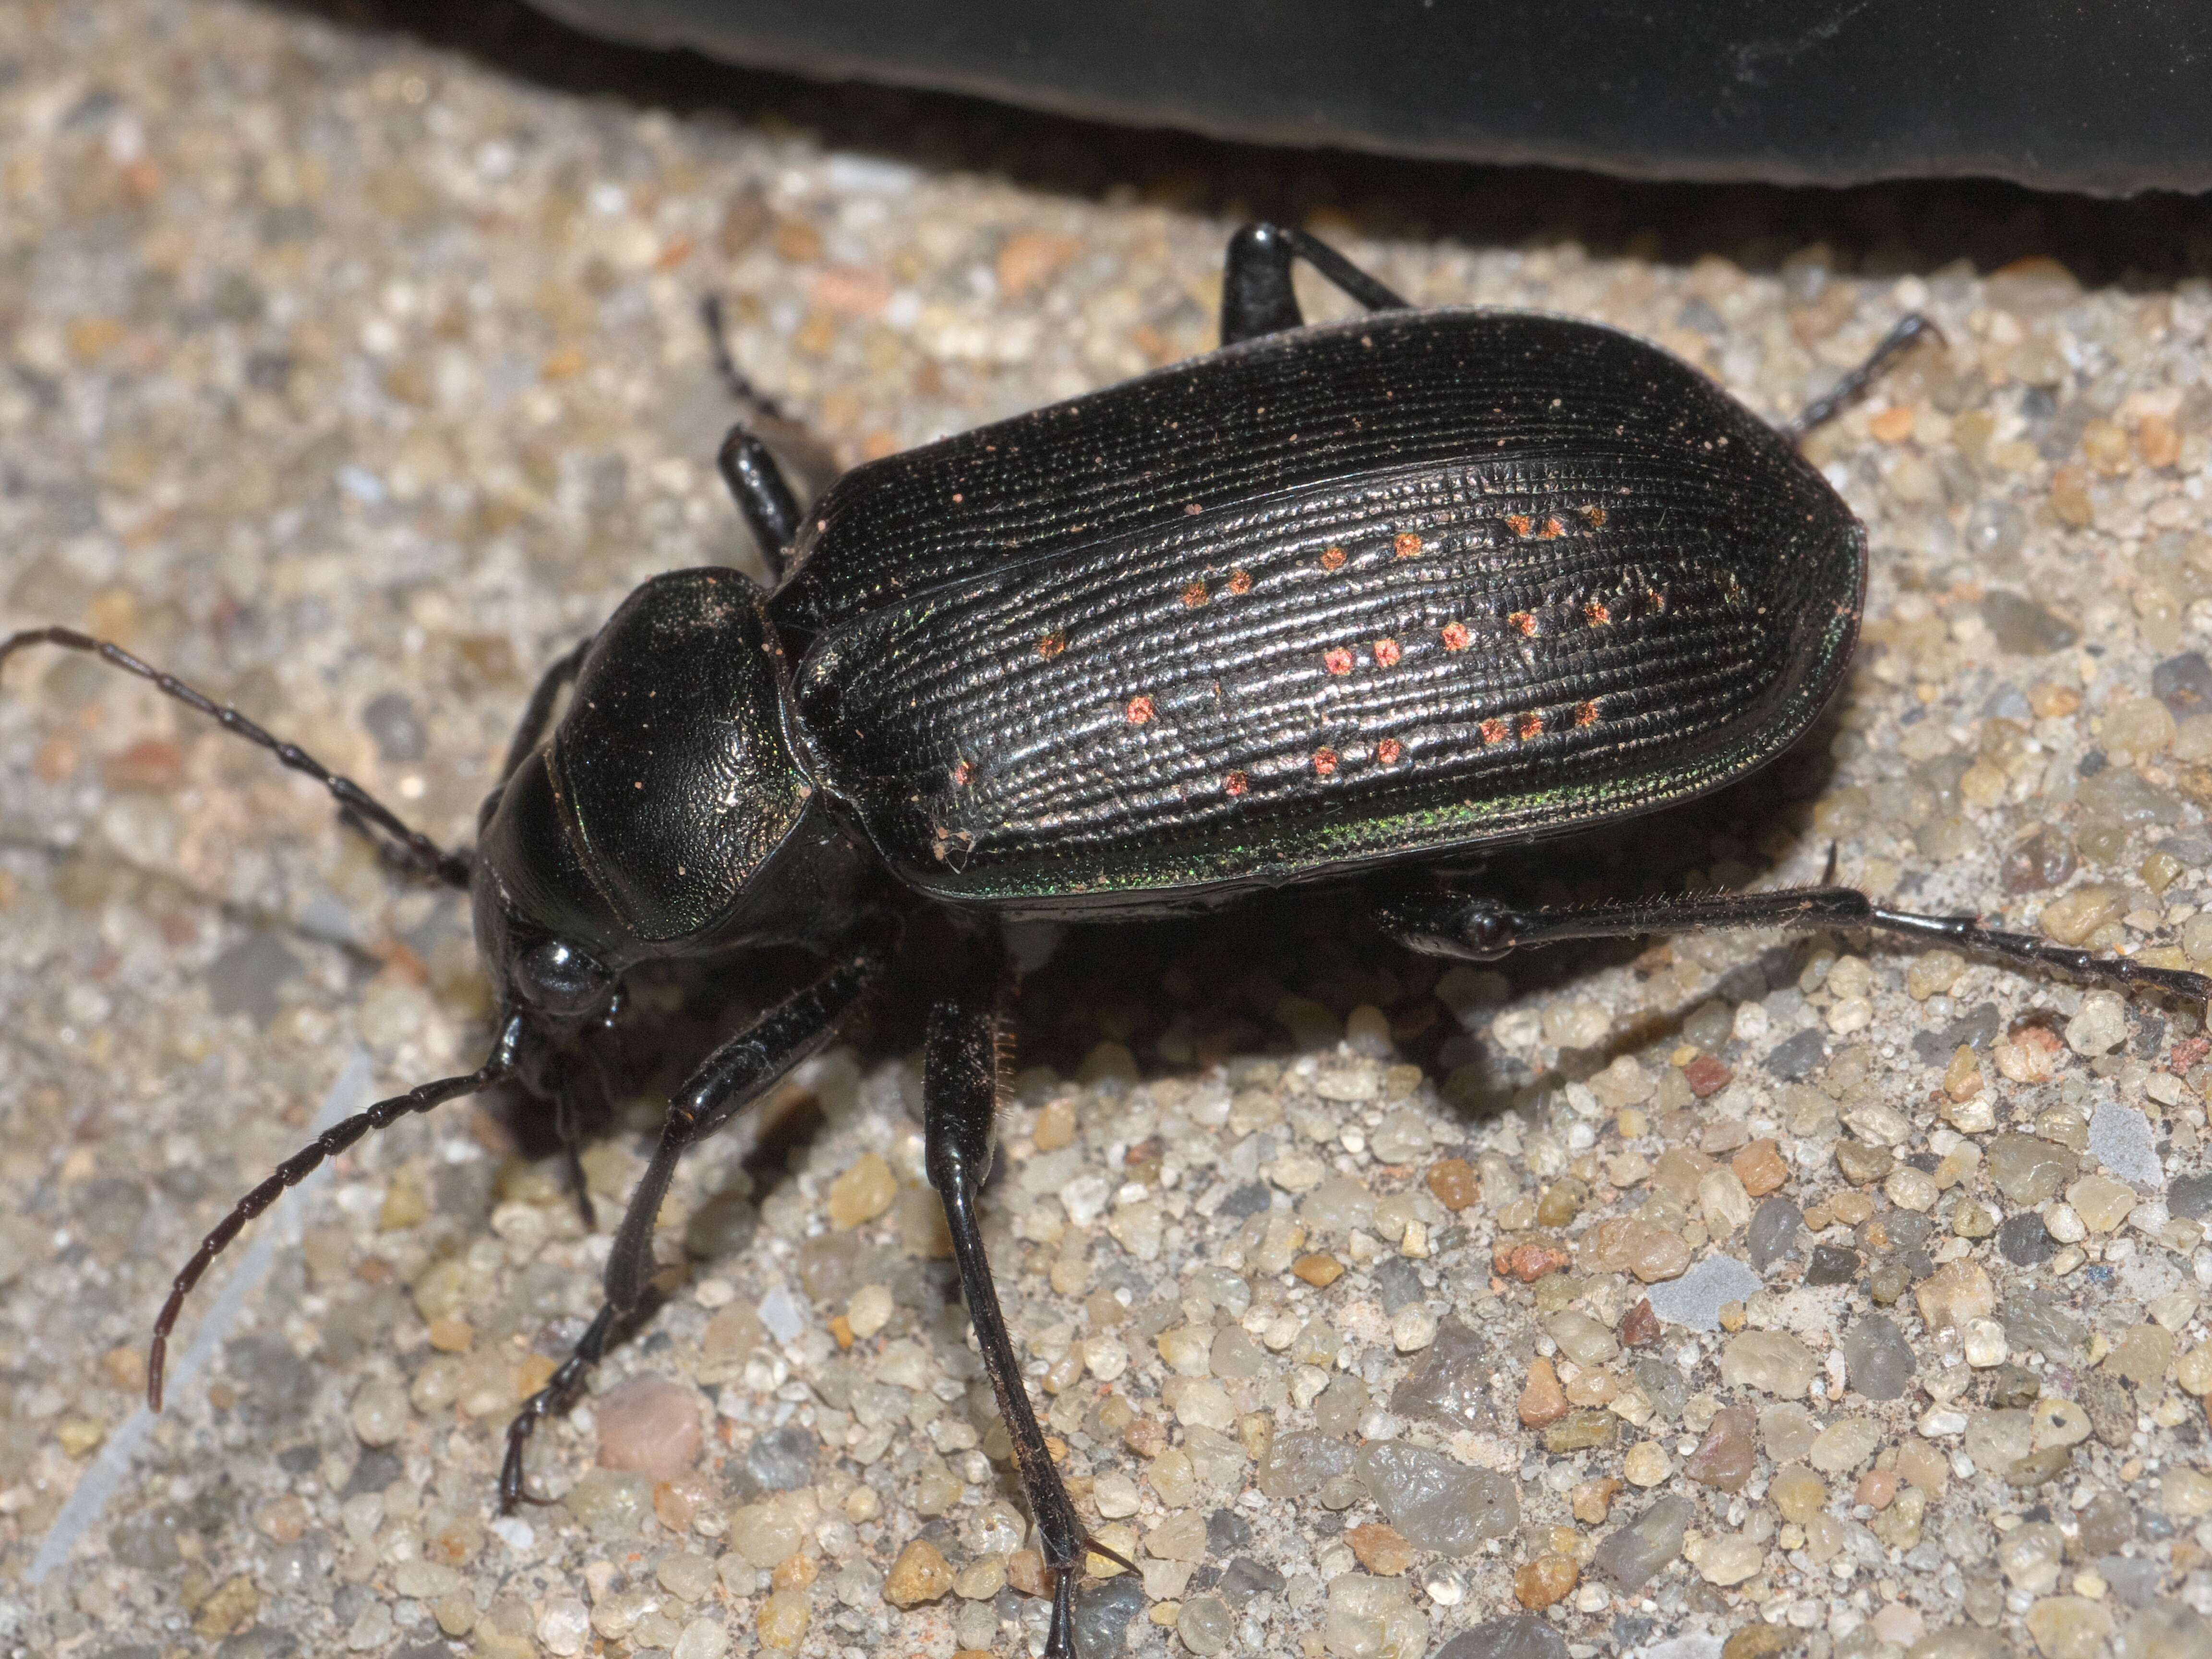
[639,825]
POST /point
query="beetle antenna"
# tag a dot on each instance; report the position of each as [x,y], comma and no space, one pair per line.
[497,1066]
[1909,330]
[401,844]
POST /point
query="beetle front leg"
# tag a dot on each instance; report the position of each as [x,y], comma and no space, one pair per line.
[1482,929]
[1256,295]
[732,1077]
[960,1091]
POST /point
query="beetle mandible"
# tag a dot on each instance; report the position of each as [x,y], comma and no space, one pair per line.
[1331,604]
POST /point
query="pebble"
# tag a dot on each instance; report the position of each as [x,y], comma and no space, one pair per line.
[2101,1026]
[2070,1627]
[2028,1170]
[1982,1341]
[1696,1298]
[1954,1293]
[862,1192]
[1845,1444]
[1878,1360]
[1726,1457]
[2101,1202]
[1546,1579]
[1832,1264]
[1773,1234]
[1543,1401]
[1646,1465]
[1630,1555]
[920,1574]
[1380,1550]
[650,1425]
[1773,1361]
[379,1412]
[1517,1636]
[2121,1140]
[1798,1493]
[1730,1559]
[1438,1504]
[1205,1624]
[782,1620]
[2024,1240]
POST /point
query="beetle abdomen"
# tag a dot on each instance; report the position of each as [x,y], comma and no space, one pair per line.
[1645,596]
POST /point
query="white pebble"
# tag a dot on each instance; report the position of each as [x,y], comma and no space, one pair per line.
[563,1626]
[1413,1328]
[2061,1222]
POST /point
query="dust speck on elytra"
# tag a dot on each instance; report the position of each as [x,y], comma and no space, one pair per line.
[1336,660]
[1324,763]
[1332,558]
[1386,653]
[1457,638]
[1388,751]
[1235,783]
[1138,711]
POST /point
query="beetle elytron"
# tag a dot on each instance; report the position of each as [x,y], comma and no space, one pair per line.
[1332,603]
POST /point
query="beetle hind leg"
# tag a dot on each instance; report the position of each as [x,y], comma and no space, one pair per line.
[1482,929]
[960,1088]
[1256,295]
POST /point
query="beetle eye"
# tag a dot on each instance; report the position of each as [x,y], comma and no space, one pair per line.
[559,979]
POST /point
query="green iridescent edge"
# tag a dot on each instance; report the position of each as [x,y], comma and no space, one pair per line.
[1324,848]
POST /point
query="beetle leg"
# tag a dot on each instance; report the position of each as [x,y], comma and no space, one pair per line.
[1909,330]
[538,714]
[1256,296]
[960,1091]
[730,1078]
[1480,929]
[757,485]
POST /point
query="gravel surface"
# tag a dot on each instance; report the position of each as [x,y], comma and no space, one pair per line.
[352,377]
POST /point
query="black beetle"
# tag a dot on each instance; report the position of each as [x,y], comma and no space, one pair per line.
[1332,603]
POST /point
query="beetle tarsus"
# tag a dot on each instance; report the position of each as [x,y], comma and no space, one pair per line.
[1908,330]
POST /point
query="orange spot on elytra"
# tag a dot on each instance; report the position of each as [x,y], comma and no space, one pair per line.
[1193,595]
[1139,710]
[1494,731]
[1337,660]
[1553,529]
[1593,517]
[1406,544]
[1596,614]
[1518,523]
[1324,763]
[1332,558]
[1235,784]
[1522,623]
[1386,653]
[1585,713]
[1388,751]
[1532,725]
[1456,637]
[1240,581]
[1052,644]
